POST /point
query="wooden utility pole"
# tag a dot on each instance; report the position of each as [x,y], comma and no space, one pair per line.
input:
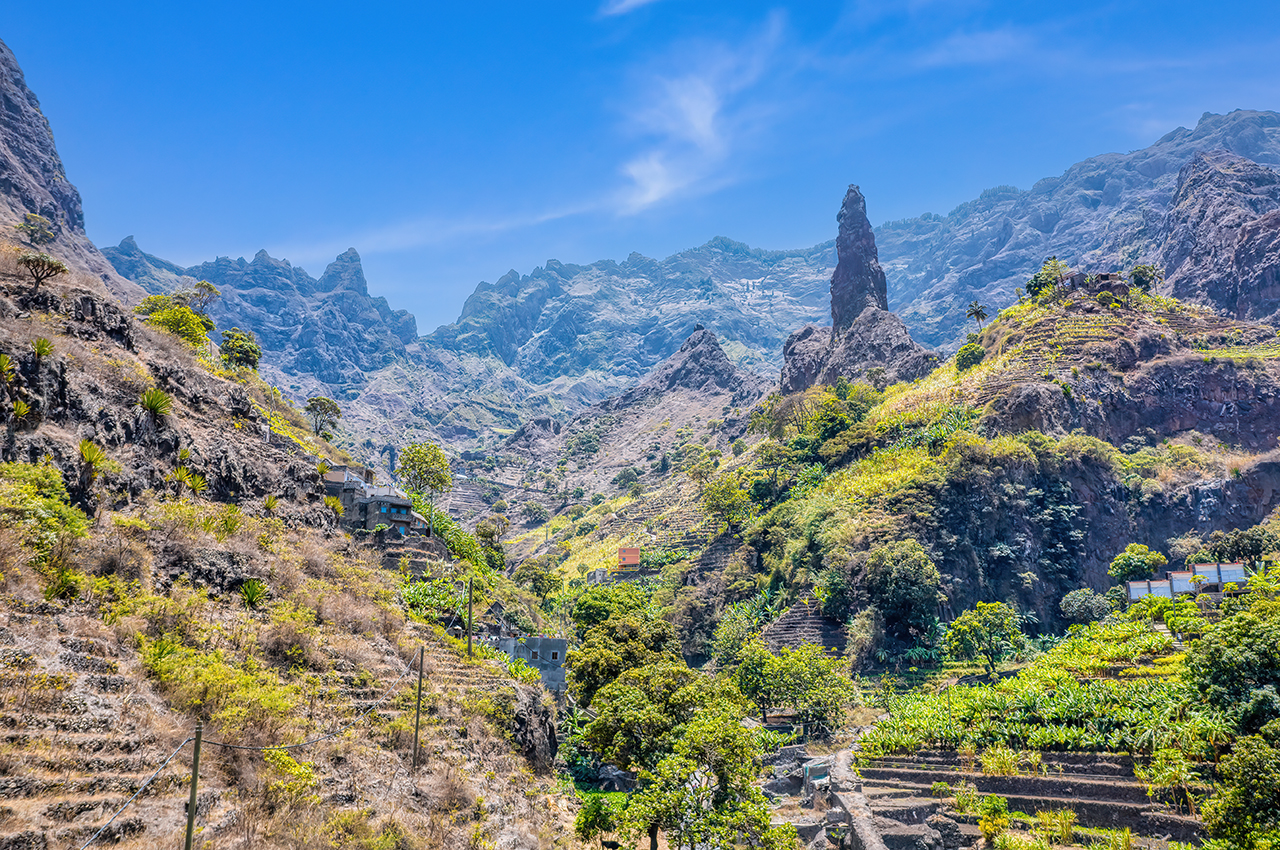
[195,776]
[417,717]
[470,588]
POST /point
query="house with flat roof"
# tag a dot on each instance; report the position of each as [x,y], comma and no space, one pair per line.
[544,653]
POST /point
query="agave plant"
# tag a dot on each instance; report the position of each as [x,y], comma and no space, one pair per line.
[42,347]
[157,403]
[269,502]
[92,459]
[8,370]
[182,477]
[253,593]
[21,410]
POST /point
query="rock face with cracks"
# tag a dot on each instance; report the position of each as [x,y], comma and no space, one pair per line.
[33,181]
[864,335]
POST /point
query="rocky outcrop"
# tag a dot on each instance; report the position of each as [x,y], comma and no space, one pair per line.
[330,330]
[33,180]
[866,340]
[1219,242]
[701,367]
[534,728]
[858,281]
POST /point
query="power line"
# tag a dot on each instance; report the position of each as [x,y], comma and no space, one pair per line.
[358,718]
[136,793]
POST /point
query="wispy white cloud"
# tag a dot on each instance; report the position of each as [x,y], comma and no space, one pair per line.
[692,111]
[621,7]
[977,48]
[423,232]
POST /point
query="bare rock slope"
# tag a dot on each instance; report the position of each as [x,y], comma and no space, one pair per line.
[33,180]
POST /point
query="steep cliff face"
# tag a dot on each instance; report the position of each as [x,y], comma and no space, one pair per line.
[1104,214]
[328,330]
[865,336]
[33,180]
[1216,248]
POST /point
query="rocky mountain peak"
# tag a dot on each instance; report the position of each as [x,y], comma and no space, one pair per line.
[700,364]
[344,274]
[858,281]
[33,180]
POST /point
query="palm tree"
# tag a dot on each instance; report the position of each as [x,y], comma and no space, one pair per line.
[976,312]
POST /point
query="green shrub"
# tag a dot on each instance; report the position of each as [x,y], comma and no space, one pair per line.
[993,817]
[239,349]
[34,503]
[184,323]
[42,348]
[1106,299]
[969,355]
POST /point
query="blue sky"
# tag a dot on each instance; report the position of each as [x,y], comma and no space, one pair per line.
[449,143]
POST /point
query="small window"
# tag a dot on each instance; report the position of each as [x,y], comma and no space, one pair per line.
[555,656]
[535,655]
[384,509]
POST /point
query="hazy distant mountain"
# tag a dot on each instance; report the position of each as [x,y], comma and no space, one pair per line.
[563,337]
[1103,214]
[328,329]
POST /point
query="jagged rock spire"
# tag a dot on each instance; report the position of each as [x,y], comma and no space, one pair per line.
[858,281]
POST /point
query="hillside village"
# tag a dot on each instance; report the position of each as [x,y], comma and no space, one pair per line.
[1023,594]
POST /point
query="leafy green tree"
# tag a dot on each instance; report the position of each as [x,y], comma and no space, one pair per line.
[989,631]
[535,574]
[1050,275]
[323,412]
[41,267]
[775,458]
[617,645]
[1247,545]
[424,469]
[239,349]
[1244,811]
[600,602]
[535,512]
[976,312]
[596,816]
[726,500]
[805,680]
[1136,563]
[1084,606]
[154,303]
[1235,666]
[199,296]
[969,355]
[1146,276]
[703,795]
[904,584]
[642,713]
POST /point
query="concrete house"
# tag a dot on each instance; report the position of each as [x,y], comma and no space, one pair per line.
[544,653]
[367,505]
